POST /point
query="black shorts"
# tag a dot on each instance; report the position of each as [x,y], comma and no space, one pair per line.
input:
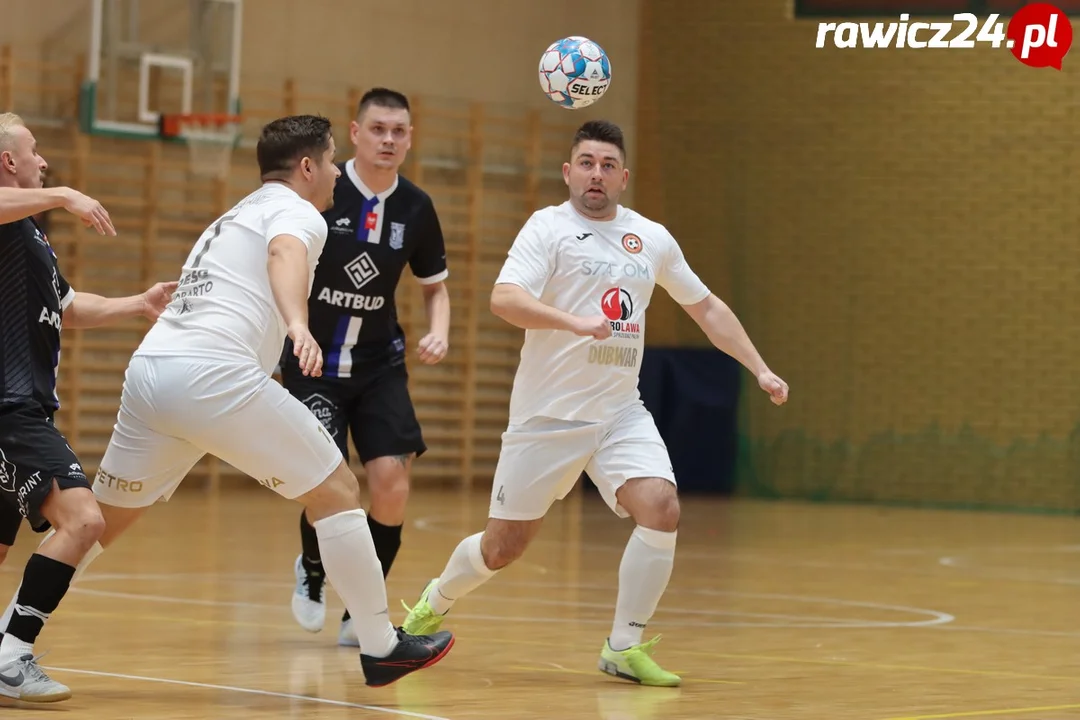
[32,454]
[374,404]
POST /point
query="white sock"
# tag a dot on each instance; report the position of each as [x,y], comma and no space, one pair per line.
[643,577]
[353,569]
[12,648]
[90,556]
[465,571]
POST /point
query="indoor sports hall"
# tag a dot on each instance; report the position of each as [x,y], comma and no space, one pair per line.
[895,227]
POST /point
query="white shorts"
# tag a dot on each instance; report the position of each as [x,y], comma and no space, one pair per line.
[175,410]
[542,459]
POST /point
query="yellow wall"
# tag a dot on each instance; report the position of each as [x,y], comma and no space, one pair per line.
[897,229]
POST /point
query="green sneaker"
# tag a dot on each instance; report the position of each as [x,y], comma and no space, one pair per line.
[636,664]
[422,620]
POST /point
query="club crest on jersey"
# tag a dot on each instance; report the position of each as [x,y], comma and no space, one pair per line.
[397,235]
[632,243]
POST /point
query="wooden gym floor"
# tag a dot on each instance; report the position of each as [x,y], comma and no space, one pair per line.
[776,611]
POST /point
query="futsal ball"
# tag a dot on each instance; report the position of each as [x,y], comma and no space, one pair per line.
[574,72]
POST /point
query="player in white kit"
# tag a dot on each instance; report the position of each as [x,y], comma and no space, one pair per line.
[200,382]
[578,279]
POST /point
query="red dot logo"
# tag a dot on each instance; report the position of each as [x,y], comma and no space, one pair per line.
[1040,35]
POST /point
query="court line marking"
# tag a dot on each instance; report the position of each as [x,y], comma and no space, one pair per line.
[536,643]
[250,691]
[989,713]
[794,621]
[432,524]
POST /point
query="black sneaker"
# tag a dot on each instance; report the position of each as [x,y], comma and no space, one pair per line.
[413,652]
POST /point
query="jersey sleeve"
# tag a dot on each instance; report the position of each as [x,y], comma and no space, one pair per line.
[675,276]
[428,261]
[301,220]
[67,293]
[529,263]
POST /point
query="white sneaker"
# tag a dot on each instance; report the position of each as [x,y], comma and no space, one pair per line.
[347,635]
[24,680]
[311,614]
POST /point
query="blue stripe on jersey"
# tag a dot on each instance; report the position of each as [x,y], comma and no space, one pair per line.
[362,232]
[333,358]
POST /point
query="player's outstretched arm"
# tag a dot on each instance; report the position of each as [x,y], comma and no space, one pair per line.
[516,306]
[18,203]
[287,268]
[726,333]
[88,310]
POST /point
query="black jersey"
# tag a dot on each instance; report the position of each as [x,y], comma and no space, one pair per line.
[33,295]
[370,239]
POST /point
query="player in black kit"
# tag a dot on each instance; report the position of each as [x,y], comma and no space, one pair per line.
[379,223]
[41,478]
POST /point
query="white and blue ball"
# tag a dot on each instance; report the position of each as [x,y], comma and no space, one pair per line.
[574,72]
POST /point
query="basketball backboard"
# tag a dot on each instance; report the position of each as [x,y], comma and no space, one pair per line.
[148,57]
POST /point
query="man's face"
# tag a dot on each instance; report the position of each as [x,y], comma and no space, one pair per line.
[20,158]
[382,137]
[596,177]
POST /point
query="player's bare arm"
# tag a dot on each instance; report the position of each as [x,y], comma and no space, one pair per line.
[726,333]
[288,272]
[516,306]
[434,345]
[88,310]
[19,203]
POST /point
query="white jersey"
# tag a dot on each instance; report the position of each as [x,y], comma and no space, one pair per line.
[224,307]
[587,267]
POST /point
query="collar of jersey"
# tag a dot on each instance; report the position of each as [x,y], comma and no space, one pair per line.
[364,189]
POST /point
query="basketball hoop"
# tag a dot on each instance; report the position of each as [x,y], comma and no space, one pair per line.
[210,140]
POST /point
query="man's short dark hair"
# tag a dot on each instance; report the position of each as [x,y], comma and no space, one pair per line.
[286,141]
[601,131]
[384,98]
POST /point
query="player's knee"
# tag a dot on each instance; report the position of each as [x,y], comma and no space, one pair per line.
[86,525]
[340,492]
[653,503]
[668,511]
[388,481]
[500,553]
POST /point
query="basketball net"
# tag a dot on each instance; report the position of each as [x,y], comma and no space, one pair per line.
[210,144]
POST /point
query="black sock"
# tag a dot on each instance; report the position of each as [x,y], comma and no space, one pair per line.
[387,539]
[45,582]
[310,557]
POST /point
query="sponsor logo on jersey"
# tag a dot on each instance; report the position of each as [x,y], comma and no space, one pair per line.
[343,222]
[323,410]
[351,301]
[362,270]
[618,307]
[613,355]
[7,473]
[608,269]
[23,495]
[397,235]
[49,317]
[632,243]
[111,481]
